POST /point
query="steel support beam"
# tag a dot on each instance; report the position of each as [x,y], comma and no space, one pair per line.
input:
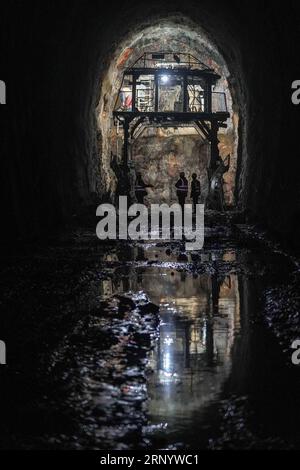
[214,149]
[172,115]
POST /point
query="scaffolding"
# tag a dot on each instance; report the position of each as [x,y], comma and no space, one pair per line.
[169,88]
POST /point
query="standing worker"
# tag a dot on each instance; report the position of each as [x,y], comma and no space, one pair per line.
[216,192]
[182,186]
[196,191]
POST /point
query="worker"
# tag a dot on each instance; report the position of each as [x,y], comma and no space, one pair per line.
[140,188]
[182,186]
[196,191]
[216,193]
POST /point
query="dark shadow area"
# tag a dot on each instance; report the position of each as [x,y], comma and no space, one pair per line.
[53,59]
[143,344]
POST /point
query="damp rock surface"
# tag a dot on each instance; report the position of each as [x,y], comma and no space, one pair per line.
[143,345]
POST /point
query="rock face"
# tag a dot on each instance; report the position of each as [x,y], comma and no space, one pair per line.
[161,159]
[54,58]
[161,155]
[152,146]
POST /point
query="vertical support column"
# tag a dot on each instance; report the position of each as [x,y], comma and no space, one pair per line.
[185,94]
[208,96]
[124,176]
[133,93]
[126,142]
[214,149]
[156,93]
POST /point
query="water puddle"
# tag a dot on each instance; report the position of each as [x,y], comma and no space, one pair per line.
[199,321]
[192,360]
[209,357]
[203,372]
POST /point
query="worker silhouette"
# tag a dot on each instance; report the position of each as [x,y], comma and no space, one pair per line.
[196,191]
[141,188]
[182,186]
[216,192]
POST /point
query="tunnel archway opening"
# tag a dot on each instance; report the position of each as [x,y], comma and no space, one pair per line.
[160,152]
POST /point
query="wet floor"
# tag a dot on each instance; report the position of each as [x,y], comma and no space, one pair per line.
[202,362]
[200,320]
[159,348]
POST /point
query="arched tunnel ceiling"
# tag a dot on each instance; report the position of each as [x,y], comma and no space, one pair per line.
[62,59]
[173,34]
[166,35]
[176,34]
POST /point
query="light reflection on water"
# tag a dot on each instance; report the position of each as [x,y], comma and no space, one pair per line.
[215,366]
[200,319]
[192,360]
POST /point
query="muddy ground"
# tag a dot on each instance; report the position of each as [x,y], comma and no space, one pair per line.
[137,345]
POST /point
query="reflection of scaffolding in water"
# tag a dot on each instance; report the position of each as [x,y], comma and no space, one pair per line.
[200,316]
[193,358]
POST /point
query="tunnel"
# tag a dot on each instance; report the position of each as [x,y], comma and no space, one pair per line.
[66,164]
[87,319]
[181,147]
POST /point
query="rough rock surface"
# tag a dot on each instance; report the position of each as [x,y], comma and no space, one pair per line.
[50,152]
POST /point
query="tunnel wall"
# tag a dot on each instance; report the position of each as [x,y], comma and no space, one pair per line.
[53,56]
[175,33]
[161,154]
[161,158]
